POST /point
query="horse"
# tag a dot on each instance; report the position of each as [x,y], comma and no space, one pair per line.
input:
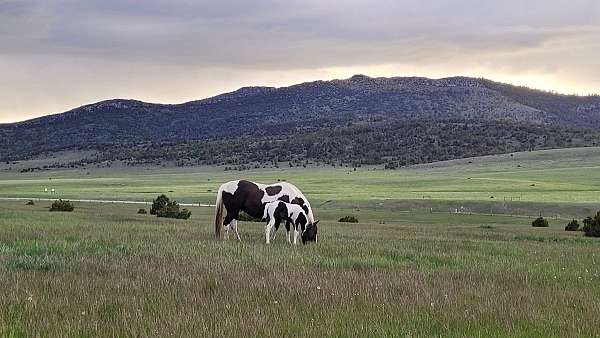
[250,197]
[292,214]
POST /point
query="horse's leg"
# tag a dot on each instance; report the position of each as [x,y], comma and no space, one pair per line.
[295,236]
[274,231]
[227,223]
[277,224]
[268,228]
[287,230]
[235,229]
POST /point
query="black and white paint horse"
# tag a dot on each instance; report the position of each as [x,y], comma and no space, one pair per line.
[250,197]
[292,214]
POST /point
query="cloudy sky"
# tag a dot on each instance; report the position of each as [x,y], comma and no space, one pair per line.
[59,54]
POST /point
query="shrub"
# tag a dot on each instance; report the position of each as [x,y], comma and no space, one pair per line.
[170,210]
[142,211]
[572,226]
[158,204]
[348,219]
[61,205]
[30,202]
[592,230]
[539,222]
[184,214]
[591,226]
[247,218]
[163,207]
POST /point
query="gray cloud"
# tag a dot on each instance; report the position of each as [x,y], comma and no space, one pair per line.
[50,43]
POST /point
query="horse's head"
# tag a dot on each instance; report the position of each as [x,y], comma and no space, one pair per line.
[310,233]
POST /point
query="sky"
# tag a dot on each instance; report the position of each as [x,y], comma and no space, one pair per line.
[59,54]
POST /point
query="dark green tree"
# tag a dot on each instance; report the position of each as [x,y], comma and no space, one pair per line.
[572,226]
[539,222]
[591,227]
[159,204]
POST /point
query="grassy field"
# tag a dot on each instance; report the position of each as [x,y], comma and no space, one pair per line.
[411,267]
[103,270]
[557,183]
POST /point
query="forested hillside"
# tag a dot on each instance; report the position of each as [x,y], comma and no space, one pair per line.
[359,120]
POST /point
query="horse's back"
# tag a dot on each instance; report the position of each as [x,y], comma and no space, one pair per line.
[299,194]
[229,187]
[295,208]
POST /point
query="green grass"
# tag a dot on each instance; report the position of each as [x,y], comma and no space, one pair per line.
[551,177]
[104,270]
[413,266]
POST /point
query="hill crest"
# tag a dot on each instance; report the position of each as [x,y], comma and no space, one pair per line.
[257,113]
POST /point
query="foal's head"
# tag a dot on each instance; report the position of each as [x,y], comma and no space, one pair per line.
[310,233]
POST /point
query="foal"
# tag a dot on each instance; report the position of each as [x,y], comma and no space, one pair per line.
[278,211]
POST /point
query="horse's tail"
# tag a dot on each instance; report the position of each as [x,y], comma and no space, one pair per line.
[219,214]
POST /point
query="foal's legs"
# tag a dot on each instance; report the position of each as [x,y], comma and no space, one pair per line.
[273,233]
[268,229]
[287,230]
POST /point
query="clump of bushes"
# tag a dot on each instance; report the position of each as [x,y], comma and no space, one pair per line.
[539,222]
[348,219]
[30,202]
[591,226]
[61,205]
[142,211]
[183,214]
[572,226]
[247,218]
[163,207]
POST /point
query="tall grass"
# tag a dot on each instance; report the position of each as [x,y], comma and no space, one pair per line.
[104,270]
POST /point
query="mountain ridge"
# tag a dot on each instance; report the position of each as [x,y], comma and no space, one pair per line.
[257,113]
[252,90]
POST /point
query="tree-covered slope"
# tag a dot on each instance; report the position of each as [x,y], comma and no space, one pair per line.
[355,111]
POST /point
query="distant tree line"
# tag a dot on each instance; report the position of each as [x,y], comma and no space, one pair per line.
[390,143]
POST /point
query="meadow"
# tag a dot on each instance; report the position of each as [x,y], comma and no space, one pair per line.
[564,175]
[413,266]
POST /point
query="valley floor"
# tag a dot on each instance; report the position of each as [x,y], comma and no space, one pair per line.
[433,254]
